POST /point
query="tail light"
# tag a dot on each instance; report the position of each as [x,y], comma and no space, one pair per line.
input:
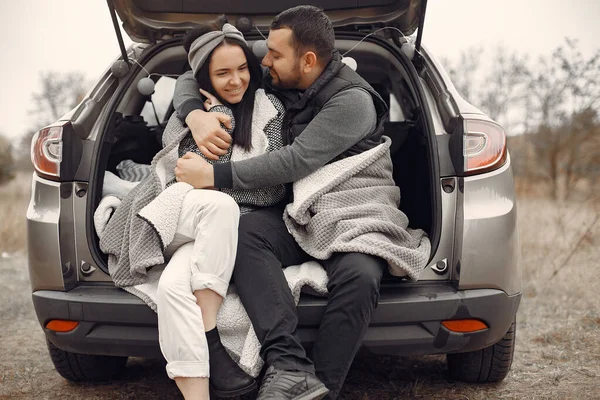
[484,146]
[47,150]
[56,152]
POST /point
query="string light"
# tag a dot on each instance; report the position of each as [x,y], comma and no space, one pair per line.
[379,30]
[146,85]
[261,34]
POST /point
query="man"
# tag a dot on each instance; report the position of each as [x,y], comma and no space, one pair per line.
[332,113]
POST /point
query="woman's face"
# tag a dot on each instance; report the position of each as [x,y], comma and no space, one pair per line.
[229,74]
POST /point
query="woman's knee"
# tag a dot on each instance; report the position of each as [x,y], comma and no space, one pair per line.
[211,200]
[170,288]
[226,204]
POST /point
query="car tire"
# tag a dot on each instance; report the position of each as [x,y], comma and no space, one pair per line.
[84,367]
[490,364]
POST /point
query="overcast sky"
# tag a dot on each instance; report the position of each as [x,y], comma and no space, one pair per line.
[77,35]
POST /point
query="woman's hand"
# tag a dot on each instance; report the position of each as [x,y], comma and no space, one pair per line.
[210,101]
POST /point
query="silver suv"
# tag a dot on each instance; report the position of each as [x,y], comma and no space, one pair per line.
[450,162]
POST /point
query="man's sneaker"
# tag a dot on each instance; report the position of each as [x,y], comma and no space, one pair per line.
[291,385]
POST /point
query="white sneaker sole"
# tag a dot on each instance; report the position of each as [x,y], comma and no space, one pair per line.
[316,394]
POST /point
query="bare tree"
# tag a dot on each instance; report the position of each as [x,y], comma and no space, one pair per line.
[464,72]
[565,93]
[492,80]
[7,167]
[59,93]
[583,76]
[504,89]
[582,149]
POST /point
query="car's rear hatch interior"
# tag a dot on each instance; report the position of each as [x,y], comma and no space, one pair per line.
[414,149]
[378,62]
[151,21]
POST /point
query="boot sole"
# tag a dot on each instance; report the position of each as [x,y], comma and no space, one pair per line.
[316,393]
[233,393]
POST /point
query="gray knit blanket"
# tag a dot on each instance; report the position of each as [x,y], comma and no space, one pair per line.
[145,222]
[134,243]
[351,205]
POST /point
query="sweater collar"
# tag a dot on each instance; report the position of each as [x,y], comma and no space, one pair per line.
[330,71]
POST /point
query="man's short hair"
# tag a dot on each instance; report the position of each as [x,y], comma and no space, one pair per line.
[311,30]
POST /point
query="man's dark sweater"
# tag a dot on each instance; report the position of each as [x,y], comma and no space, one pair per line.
[347,118]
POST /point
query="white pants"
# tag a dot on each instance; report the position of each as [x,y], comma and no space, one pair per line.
[202,256]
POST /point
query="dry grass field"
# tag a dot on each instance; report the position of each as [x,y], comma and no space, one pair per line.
[558,325]
[14,198]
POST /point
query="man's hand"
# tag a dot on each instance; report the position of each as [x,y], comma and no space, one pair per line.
[212,140]
[193,169]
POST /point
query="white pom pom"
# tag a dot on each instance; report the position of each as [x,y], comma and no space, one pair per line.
[260,49]
[145,86]
[351,62]
[409,50]
[119,68]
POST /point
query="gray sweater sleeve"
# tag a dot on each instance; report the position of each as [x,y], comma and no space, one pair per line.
[344,120]
[186,97]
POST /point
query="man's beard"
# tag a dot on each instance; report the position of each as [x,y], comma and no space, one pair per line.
[291,83]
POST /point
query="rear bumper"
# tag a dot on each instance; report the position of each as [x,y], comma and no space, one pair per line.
[406,321]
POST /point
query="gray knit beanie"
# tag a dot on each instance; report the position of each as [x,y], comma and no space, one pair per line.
[201,47]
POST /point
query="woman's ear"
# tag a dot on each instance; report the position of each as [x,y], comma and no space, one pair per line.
[310,61]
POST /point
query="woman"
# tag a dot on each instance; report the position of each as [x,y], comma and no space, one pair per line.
[202,253]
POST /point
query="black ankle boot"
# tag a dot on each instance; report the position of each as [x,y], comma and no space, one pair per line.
[227,379]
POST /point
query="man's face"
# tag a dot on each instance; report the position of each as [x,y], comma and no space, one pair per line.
[282,60]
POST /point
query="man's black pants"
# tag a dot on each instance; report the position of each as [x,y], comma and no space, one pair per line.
[264,247]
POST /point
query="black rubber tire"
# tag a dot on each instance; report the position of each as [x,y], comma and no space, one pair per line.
[490,364]
[84,367]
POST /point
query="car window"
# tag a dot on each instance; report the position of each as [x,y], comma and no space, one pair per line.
[162,97]
[396,113]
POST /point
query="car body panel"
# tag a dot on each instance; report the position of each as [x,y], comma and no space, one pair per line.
[442,257]
[490,221]
[43,238]
[406,321]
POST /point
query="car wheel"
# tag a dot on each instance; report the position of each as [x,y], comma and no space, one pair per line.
[84,367]
[490,364]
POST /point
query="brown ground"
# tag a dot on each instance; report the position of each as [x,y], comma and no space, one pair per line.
[558,328]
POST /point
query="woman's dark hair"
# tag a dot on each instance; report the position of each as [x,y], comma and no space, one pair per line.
[242,112]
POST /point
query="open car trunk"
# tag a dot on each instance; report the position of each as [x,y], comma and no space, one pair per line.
[152,21]
[134,132]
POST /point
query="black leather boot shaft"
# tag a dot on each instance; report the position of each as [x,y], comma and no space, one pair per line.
[227,379]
